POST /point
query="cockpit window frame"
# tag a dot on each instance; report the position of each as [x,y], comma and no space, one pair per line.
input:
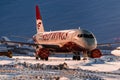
[85,36]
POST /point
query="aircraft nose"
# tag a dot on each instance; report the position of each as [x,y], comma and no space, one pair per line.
[90,44]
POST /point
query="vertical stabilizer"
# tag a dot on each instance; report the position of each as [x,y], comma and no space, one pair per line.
[39,23]
[4,38]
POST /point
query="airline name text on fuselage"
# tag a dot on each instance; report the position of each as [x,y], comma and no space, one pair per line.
[54,36]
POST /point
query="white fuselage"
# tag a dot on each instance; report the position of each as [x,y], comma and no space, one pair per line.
[83,38]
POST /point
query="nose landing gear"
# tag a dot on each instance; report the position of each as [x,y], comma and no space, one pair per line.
[76,56]
[85,55]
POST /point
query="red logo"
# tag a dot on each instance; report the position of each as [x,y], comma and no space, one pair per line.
[39,24]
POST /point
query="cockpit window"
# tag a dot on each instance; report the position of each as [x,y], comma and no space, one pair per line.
[85,35]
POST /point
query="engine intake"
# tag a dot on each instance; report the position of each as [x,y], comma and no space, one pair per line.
[96,53]
[43,53]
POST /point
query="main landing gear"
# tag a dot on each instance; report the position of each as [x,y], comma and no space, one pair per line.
[76,56]
[37,58]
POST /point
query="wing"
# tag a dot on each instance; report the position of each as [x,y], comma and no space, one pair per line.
[30,44]
[108,44]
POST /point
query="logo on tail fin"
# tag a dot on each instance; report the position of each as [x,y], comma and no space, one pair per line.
[39,23]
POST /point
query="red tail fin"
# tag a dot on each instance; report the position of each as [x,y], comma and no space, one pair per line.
[38,16]
[39,23]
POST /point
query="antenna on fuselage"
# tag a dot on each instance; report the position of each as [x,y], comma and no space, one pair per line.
[79,27]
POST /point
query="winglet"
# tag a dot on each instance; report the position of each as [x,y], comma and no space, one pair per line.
[39,23]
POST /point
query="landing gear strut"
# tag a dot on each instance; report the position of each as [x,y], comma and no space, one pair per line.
[85,55]
[76,56]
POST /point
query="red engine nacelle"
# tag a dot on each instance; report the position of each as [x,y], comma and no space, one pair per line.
[43,53]
[96,53]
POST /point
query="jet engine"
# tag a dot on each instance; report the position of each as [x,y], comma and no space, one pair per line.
[96,53]
[43,53]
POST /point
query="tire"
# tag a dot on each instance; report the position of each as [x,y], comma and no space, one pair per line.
[74,57]
[78,58]
[46,59]
[37,58]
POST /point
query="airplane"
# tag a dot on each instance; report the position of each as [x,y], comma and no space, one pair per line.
[11,45]
[75,41]
[64,41]
[24,49]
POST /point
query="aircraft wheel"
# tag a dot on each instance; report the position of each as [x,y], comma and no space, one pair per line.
[78,58]
[46,59]
[74,57]
[41,58]
[37,58]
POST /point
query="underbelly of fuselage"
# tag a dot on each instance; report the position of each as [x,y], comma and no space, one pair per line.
[69,47]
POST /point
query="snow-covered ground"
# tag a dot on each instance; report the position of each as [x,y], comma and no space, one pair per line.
[26,67]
